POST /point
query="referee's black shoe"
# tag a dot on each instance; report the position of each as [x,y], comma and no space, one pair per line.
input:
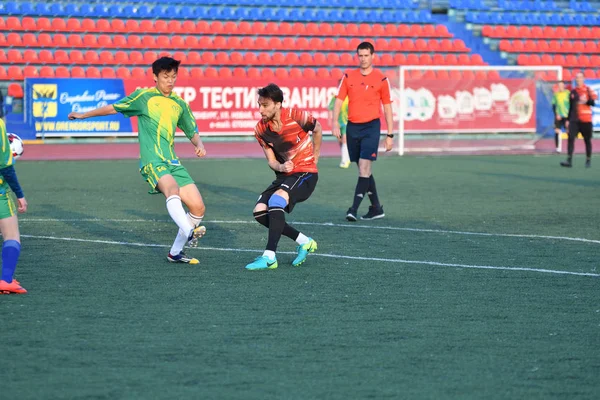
[566,164]
[351,215]
[374,213]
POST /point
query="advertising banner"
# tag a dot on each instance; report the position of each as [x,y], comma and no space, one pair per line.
[49,102]
[595,86]
[464,106]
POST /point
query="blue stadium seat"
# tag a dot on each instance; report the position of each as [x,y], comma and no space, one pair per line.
[115,11]
[42,9]
[144,12]
[101,10]
[199,12]
[241,13]
[70,10]
[85,10]
[282,14]
[11,8]
[56,9]
[27,8]
[128,11]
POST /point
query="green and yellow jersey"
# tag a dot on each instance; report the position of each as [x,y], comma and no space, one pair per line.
[6,156]
[158,117]
[560,103]
[343,118]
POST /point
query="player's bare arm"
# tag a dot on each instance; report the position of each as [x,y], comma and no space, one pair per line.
[275,165]
[98,112]
[317,136]
[336,118]
[389,120]
[199,146]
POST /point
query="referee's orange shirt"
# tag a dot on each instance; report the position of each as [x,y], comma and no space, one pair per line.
[365,93]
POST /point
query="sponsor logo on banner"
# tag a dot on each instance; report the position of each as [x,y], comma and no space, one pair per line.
[495,105]
[51,101]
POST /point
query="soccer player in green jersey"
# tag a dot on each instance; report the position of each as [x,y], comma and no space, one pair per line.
[343,120]
[160,112]
[9,225]
[560,106]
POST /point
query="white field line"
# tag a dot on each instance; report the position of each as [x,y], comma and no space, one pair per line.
[385,260]
[354,226]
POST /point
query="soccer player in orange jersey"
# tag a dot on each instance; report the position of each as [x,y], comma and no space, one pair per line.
[581,101]
[367,88]
[283,134]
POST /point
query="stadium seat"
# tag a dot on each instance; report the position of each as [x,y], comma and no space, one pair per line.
[61,72]
[239,72]
[29,72]
[61,57]
[77,72]
[46,57]
[47,72]
[211,72]
[225,72]
[29,56]
[91,57]
[138,73]
[92,72]
[3,73]
[106,57]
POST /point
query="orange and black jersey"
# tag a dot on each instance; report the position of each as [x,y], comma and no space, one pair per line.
[293,142]
[581,101]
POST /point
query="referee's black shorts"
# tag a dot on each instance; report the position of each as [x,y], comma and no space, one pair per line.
[363,140]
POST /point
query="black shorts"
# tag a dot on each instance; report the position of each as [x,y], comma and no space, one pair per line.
[585,128]
[363,140]
[298,186]
[560,124]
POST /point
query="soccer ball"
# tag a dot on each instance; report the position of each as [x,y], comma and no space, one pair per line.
[16,145]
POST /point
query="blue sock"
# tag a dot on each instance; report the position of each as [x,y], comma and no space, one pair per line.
[10,255]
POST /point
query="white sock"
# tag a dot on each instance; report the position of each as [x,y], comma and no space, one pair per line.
[180,241]
[302,239]
[195,221]
[345,154]
[178,214]
[269,254]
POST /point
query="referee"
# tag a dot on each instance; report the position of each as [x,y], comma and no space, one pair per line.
[366,88]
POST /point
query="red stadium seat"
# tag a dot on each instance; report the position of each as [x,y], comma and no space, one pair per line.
[416,30]
[138,73]
[28,24]
[29,56]
[399,59]
[253,72]
[334,59]
[338,29]
[281,73]
[91,57]
[306,59]
[73,25]
[579,47]
[523,59]
[61,57]
[320,59]
[267,73]
[102,26]
[278,58]
[191,42]
[211,72]
[74,40]
[123,73]
[77,72]
[428,30]
[132,26]
[134,42]
[61,72]
[299,28]
[386,59]
[285,29]
[224,72]
[292,59]
[13,39]
[408,45]
[13,24]
[295,73]
[193,58]
[58,25]
[222,58]
[148,42]
[46,57]
[309,73]
[173,27]
[162,42]
[40,40]
[425,59]
[106,58]
[43,24]
[220,42]
[420,45]
[567,46]
[273,43]
[443,75]
[150,57]
[85,25]
[412,59]
[584,61]
[230,28]
[92,72]
[244,28]
[302,43]
[75,57]
[239,72]
[60,40]
[47,72]
[208,58]
[488,31]
[442,31]
[548,32]
[234,43]
[116,25]
[500,32]
[202,27]
[559,60]
[451,59]
[236,58]
[438,59]
[323,73]
[196,73]
[104,41]
[347,59]
[30,72]
[14,56]
[571,60]
[216,28]
[3,73]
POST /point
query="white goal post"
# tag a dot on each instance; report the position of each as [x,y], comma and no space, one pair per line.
[471,109]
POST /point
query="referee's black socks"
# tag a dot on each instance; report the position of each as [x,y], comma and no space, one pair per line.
[372,192]
[359,193]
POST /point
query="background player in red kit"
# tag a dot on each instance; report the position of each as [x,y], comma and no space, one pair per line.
[581,101]
[284,136]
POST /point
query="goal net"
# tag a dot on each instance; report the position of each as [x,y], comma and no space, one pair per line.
[473,109]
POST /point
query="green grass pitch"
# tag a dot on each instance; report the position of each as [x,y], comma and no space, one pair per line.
[482,281]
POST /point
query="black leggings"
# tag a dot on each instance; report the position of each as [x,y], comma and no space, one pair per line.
[586,131]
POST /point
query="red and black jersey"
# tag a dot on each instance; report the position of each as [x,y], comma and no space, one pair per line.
[581,101]
[293,142]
